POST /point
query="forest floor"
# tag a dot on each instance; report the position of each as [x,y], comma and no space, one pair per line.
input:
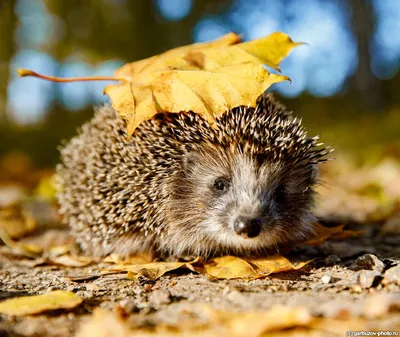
[352,284]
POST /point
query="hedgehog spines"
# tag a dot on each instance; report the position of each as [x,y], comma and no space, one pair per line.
[115,190]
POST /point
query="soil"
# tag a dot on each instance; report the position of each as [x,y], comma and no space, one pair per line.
[330,287]
[351,280]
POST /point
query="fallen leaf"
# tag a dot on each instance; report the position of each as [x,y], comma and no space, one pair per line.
[72,261]
[31,305]
[24,249]
[137,259]
[10,194]
[154,270]
[230,267]
[15,222]
[330,233]
[59,250]
[207,78]
[46,189]
[275,264]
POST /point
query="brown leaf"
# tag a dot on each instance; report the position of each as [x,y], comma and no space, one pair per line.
[330,233]
[154,270]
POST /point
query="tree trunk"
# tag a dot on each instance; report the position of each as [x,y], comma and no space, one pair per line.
[7,28]
[364,84]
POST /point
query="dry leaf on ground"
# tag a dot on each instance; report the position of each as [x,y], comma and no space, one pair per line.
[206,78]
[137,259]
[330,233]
[72,261]
[229,267]
[226,267]
[15,222]
[21,249]
[31,305]
[276,264]
[154,270]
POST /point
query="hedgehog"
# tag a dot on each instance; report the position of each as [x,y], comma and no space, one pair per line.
[180,186]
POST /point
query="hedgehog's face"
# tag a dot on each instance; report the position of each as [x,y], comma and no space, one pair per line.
[240,204]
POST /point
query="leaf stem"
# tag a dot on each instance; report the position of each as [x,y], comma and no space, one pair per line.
[27,72]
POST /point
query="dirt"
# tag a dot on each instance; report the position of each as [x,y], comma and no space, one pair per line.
[330,287]
[356,280]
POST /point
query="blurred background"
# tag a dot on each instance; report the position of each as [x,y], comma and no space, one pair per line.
[345,86]
[345,81]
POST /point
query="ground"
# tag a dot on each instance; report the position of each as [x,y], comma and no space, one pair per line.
[352,284]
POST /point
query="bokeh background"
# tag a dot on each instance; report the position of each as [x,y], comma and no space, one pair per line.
[345,81]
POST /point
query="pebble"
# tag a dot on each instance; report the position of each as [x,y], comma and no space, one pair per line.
[366,278]
[332,260]
[126,307]
[369,262]
[159,297]
[72,288]
[92,287]
[327,278]
[392,275]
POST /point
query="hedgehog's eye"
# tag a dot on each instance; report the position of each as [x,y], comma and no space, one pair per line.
[280,194]
[221,185]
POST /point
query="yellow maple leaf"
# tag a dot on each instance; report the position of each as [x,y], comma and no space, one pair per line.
[229,267]
[31,305]
[206,78]
[269,50]
[275,264]
[173,58]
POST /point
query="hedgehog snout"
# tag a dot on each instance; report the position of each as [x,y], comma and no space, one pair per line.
[247,227]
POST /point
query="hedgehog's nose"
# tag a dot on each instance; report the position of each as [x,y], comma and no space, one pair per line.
[247,227]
